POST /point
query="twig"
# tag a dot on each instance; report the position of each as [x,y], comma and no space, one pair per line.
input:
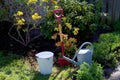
[14,37]
[20,35]
[27,35]
[35,36]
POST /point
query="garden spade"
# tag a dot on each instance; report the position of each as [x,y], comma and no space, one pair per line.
[58,14]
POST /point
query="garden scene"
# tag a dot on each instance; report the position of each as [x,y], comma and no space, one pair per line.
[59,40]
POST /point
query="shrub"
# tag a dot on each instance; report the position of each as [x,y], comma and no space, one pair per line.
[107,49]
[90,72]
[79,18]
[116,26]
[27,15]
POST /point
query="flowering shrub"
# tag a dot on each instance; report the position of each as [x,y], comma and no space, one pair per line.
[27,16]
[79,18]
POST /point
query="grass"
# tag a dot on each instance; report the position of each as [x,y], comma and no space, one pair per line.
[14,67]
[59,73]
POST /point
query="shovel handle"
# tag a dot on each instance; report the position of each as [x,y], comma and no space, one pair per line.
[58,14]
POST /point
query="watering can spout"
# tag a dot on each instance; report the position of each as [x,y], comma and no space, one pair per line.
[70,60]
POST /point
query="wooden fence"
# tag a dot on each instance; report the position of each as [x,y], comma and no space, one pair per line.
[111,7]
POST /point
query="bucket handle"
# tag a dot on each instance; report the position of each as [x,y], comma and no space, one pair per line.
[85,43]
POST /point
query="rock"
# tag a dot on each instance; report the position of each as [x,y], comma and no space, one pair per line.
[115,74]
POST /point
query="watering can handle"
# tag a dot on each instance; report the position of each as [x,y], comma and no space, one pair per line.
[58,16]
[85,43]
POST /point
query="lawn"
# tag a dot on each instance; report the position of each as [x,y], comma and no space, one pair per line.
[14,67]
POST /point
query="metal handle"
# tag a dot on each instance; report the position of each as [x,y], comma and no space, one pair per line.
[85,43]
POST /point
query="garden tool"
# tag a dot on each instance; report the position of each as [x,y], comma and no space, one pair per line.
[58,14]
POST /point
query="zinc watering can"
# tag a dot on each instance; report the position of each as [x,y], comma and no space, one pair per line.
[82,55]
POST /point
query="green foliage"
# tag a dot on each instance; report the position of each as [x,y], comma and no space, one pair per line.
[107,49]
[7,59]
[81,15]
[116,26]
[79,19]
[90,72]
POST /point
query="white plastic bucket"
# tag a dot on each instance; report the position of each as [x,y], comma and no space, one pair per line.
[84,55]
[45,62]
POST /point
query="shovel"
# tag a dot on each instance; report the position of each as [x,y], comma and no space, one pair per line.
[58,14]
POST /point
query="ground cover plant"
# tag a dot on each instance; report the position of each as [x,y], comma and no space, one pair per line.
[90,72]
[107,49]
[12,68]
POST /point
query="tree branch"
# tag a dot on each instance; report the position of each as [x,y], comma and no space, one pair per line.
[35,36]
[9,33]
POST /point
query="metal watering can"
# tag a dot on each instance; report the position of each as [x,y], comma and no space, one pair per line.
[82,54]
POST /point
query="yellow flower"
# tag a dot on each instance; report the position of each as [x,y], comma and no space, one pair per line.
[32,1]
[75,32]
[21,21]
[54,1]
[35,16]
[19,13]
[56,7]
[44,0]
[68,25]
